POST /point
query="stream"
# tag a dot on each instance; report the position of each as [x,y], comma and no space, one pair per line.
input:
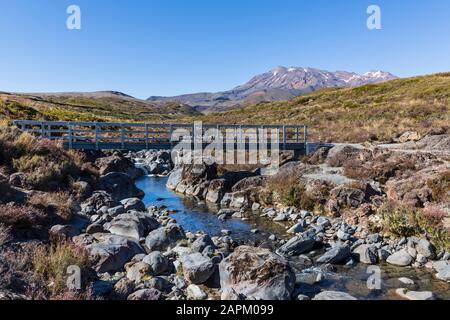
[197,216]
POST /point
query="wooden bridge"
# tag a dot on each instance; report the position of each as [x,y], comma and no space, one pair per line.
[141,136]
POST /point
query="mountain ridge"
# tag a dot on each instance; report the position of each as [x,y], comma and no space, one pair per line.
[280,83]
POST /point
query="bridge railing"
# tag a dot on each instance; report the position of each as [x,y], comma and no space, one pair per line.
[112,135]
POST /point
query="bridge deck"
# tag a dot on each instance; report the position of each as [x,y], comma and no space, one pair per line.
[140,136]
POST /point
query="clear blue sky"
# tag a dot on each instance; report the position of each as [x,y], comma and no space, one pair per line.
[168,47]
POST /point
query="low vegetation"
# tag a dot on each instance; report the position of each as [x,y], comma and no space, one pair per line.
[401,220]
[51,264]
[287,189]
[46,164]
[88,107]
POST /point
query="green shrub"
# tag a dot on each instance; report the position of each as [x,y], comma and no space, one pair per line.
[401,220]
[398,219]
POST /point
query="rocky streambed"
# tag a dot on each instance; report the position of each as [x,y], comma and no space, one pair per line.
[196,234]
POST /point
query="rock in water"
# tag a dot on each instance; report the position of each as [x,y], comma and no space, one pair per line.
[415,295]
[257,272]
[333,295]
[297,245]
[174,179]
[366,253]
[401,258]
[337,254]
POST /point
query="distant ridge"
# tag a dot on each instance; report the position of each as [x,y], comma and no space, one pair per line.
[280,83]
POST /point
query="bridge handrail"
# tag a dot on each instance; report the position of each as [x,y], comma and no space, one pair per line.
[290,134]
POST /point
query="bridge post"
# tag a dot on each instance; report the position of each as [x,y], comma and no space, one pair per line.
[305,137]
[284,137]
[146,136]
[42,129]
[96,136]
[69,127]
[122,136]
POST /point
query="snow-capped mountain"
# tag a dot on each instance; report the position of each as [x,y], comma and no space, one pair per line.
[278,84]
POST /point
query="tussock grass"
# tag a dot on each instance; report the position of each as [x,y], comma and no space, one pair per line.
[370,112]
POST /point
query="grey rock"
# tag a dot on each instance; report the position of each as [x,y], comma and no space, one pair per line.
[297,245]
[157,262]
[194,292]
[425,248]
[133,225]
[202,242]
[133,204]
[257,273]
[333,295]
[119,185]
[174,179]
[197,268]
[335,255]
[110,252]
[297,228]
[64,231]
[95,228]
[401,258]
[116,210]
[163,238]
[366,254]
[146,294]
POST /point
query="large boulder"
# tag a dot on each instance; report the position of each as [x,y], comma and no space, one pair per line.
[401,258]
[117,163]
[108,251]
[197,173]
[338,155]
[120,186]
[366,253]
[132,225]
[216,190]
[98,200]
[165,237]
[258,273]
[174,179]
[133,204]
[197,268]
[337,254]
[202,242]
[158,263]
[249,183]
[297,245]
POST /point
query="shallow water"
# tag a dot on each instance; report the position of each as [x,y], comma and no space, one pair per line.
[195,216]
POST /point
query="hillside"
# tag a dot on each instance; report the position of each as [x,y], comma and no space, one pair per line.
[96,106]
[369,112]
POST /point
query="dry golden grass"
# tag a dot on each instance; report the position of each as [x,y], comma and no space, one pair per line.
[370,112]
